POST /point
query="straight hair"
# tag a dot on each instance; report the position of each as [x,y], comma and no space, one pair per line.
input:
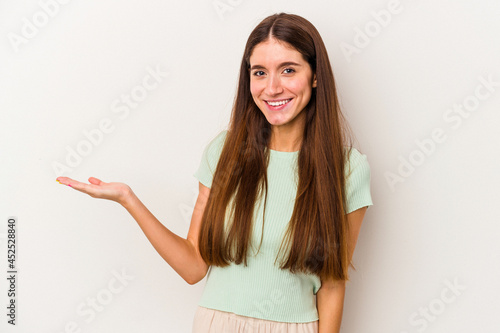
[316,240]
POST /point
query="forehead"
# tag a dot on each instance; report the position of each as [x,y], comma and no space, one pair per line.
[273,51]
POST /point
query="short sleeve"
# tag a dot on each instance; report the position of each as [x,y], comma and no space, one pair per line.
[209,159]
[357,182]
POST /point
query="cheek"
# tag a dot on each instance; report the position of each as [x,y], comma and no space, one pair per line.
[255,89]
[300,87]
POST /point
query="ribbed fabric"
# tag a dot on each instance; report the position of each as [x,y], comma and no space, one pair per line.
[263,290]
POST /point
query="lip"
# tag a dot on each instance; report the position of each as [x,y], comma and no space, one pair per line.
[279,107]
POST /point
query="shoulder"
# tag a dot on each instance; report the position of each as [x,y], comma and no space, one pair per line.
[210,157]
[357,171]
[356,161]
[220,137]
[216,143]
[213,149]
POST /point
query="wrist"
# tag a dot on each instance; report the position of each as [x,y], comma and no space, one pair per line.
[127,197]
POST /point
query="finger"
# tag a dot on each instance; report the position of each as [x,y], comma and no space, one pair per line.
[95,181]
[64,180]
[89,189]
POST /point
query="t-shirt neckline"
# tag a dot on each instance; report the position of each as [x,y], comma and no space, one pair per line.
[286,154]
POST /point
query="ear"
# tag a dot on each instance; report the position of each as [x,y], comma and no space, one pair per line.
[315,82]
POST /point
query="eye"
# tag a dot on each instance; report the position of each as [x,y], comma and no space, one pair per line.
[289,70]
[258,73]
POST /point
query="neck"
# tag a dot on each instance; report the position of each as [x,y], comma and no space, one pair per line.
[286,138]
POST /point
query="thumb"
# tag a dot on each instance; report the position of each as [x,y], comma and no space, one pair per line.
[95,181]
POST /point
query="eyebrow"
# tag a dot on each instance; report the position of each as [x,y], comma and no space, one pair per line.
[283,64]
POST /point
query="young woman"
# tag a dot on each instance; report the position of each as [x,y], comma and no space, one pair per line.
[282,195]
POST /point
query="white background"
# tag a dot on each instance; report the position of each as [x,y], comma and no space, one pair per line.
[439,223]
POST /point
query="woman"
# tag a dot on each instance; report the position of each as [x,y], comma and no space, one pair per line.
[282,195]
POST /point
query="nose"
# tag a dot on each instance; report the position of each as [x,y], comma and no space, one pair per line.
[274,86]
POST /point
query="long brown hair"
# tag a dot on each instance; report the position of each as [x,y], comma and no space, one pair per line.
[318,228]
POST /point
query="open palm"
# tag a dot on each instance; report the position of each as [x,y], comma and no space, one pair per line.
[98,189]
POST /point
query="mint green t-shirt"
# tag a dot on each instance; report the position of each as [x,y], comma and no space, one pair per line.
[263,290]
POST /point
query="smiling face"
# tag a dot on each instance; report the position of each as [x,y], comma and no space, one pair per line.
[281,83]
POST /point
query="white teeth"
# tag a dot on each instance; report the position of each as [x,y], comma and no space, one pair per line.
[279,103]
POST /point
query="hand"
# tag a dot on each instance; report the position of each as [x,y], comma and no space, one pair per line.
[118,192]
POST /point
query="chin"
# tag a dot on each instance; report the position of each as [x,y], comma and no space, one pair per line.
[275,122]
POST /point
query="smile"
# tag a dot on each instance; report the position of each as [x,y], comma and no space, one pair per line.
[278,103]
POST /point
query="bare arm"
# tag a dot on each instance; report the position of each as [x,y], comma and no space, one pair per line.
[180,253]
[330,297]
[330,304]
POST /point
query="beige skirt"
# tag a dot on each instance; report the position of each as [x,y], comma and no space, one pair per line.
[215,321]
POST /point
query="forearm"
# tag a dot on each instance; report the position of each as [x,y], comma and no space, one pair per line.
[330,304]
[330,296]
[178,252]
